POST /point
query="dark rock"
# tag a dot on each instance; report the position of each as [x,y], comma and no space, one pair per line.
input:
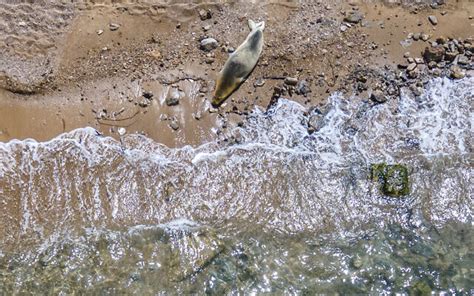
[315,123]
[147,94]
[354,17]
[433,54]
[450,56]
[393,179]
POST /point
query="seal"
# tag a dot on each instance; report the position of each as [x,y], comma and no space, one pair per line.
[240,64]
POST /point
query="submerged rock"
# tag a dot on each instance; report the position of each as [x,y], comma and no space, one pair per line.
[392,178]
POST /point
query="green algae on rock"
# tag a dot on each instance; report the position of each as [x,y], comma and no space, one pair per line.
[393,179]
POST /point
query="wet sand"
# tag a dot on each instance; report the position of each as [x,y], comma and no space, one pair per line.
[68,69]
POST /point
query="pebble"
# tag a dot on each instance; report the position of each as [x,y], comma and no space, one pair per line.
[206,28]
[416,36]
[463,60]
[354,17]
[259,83]
[378,96]
[291,81]
[425,37]
[433,54]
[209,44]
[174,125]
[343,28]
[411,67]
[456,72]
[147,94]
[114,26]
[419,61]
[205,14]
[122,131]
[173,99]
[433,20]
[406,55]
[99,32]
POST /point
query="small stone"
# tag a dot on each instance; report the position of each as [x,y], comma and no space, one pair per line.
[99,32]
[147,95]
[410,60]
[416,36]
[174,125]
[173,99]
[209,44]
[144,103]
[259,83]
[206,28]
[419,61]
[302,88]
[209,60]
[205,14]
[291,81]
[433,20]
[411,67]
[122,131]
[450,56]
[433,54]
[378,96]
[354,17]
[230,49]
[197,115]
[425,37]
[406,54]
[343,28]
[463,60]
[456,72]
[114,26]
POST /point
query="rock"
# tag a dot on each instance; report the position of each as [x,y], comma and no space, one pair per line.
[393,179]
[406,54]
[456,72]
[315,123]
[410,60]
[411,67]
[259,83]
[343,28]
[172,99]
[114,26]
[291,81]
[209,44]
[433,54]
[441,40]
[302,88]
[416,36]
[450,56]
[122,131]
[174,125]
[206,28]
[205,14]
[197,115]
[147,95]
[425,37]
[100,32]
[144,103]
[433,20]
[419,61]
[463,60]
[354,17]
[209,60]
[420,288]
[378,97]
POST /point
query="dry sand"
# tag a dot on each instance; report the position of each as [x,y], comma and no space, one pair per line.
[63,67]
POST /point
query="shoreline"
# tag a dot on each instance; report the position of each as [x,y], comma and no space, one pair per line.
[110,78]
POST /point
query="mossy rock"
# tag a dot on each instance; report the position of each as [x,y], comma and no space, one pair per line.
[393,179]
[420,288]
